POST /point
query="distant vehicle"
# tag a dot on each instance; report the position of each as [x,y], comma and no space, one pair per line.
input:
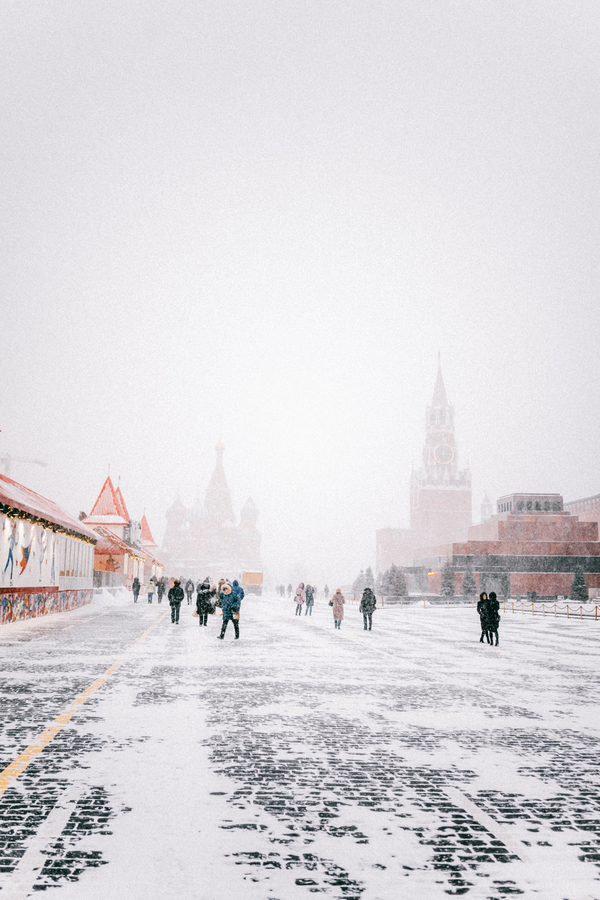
[252,582]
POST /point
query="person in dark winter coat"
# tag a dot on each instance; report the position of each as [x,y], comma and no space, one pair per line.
[482,609]
[160,589]
[338,608]
[230,604]
[175,600]
[135,587]
[204,595]
[310,600]
[367,605]
[493,617]
[299,598]
[236,588]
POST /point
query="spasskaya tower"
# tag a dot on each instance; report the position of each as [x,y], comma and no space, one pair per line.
[440,492]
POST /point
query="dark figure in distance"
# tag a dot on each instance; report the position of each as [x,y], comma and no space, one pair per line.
[204,595]
[326,591]
[189,589]
[175,600]
[309,593]
[135,587]
[482,609]
[230,604]
[493,617]
[367,606]
[289,590]
[160,589]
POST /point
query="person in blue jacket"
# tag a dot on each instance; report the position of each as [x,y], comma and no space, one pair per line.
[230,604]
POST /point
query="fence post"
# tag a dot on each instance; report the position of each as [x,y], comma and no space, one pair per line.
[522,608]
[581,612]
[513,606]
[555,610]
[423,602]
[543,609]
[567,610]
[532,610]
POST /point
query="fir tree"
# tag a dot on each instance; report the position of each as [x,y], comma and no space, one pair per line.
[579,591]
[359,584]
[447,580]
[369,579]
[400,583]
[469,585]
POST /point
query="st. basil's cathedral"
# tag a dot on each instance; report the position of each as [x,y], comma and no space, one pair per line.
[205,539]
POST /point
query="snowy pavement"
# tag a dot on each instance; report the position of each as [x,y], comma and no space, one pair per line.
[411,761]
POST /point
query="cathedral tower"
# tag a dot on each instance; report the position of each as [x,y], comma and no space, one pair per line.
[440,492]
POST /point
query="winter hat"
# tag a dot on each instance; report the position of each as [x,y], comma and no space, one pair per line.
[226,589]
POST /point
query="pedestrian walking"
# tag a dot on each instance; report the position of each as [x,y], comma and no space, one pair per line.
[150,589]
[175,601]
[204,595]
[160,589]
[135,587]
[299,598]
[338,602]
[189,589]
[482,609]
[310,600]
[367,606]
[230,604]
[289,590]
[326,591]
[493,617]
[237,589]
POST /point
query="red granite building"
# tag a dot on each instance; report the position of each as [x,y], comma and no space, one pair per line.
[531,545]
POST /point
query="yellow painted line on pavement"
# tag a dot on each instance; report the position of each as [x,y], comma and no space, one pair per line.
[29,754]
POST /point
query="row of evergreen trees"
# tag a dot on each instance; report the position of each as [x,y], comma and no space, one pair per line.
[501,584]
[393,583]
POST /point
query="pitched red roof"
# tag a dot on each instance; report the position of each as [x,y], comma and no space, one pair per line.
[106,504]
[121,504]
[146,533]
[16,496]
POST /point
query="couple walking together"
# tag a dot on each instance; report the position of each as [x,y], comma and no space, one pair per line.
[489,616]
[305,594]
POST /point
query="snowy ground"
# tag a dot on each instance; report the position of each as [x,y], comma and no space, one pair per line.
[411,761]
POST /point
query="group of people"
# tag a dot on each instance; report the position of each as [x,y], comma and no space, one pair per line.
[305,596]
[156,586]
[226,596]
[488,608]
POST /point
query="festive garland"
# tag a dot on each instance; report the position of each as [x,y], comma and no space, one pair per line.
[14,513]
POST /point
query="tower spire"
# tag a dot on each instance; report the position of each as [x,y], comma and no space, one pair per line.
[439,391]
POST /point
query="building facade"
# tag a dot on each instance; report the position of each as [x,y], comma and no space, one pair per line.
[46,556]
[123,552]
[205,538]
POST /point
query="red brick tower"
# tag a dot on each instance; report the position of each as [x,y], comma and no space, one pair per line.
[440,492]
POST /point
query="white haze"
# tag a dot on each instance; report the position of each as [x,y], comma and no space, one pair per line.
[259,222]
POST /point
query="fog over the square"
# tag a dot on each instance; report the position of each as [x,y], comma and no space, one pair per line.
[259,222]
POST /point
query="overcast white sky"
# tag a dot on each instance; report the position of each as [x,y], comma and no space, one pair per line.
[260,221]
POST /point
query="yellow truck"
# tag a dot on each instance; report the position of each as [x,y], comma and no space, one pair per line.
[252,582]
